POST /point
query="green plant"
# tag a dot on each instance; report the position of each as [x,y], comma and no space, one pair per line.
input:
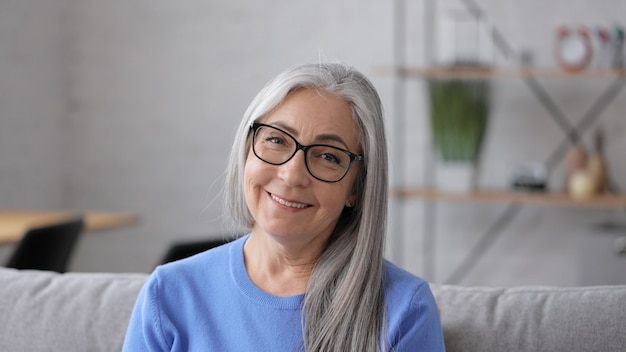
[459,110]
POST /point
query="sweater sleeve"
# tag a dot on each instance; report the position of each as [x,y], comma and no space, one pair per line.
[420,325]
[145,331]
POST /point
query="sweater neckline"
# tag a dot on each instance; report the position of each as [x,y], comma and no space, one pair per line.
[252,291]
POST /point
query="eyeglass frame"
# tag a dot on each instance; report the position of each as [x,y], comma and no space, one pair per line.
[254,126]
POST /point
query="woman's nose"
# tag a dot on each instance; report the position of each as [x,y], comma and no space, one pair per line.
[294,171]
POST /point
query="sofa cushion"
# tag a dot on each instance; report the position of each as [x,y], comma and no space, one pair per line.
[46,311]
[533,318]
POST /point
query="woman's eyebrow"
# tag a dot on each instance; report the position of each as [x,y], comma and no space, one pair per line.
[331,137]
[285,127]
[325,137]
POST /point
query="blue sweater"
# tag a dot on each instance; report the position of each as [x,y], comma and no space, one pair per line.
[208,303]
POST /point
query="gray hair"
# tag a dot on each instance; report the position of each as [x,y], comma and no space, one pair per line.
[344,302]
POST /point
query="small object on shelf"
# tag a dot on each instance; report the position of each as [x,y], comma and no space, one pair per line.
[618,47]
[575,159]
[573,49]
[597,164]
[605,52]
[530,177]
[582,185]
[588,176]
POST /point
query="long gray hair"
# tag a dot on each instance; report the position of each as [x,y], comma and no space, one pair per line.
[344,307]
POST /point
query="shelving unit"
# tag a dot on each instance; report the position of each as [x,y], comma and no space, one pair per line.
[514,200]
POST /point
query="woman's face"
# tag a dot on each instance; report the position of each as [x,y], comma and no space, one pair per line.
[285,200]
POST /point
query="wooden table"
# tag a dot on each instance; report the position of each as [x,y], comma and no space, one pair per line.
[15,223]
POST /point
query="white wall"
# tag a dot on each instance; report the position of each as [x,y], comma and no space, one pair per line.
[33,92]
[133,105]
[157,90]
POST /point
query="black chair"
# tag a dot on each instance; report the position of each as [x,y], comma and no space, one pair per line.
[184,249]
[47,247]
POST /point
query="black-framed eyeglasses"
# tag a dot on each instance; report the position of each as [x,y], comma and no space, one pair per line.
[324,162]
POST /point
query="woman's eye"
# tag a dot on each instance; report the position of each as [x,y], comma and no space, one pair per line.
[330,158]
[275,140]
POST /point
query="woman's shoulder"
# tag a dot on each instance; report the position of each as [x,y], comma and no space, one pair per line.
[401,284]
[409,299]
[205,263]
[394,273]
[411,309]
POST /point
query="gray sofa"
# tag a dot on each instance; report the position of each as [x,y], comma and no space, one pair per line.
[43,311]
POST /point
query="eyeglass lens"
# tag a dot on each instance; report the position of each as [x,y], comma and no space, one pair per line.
[324,162]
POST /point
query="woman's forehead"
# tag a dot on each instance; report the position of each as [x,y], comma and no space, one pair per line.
[316,116]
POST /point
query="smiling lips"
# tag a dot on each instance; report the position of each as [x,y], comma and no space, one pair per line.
[287,203]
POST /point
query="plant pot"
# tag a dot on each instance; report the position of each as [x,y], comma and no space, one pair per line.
[456,176]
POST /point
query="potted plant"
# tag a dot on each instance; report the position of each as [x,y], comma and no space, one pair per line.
[459,112]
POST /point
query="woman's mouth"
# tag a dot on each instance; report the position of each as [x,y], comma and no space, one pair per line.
[288,203]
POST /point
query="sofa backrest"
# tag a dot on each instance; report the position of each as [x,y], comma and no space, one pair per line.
[533,318]
[47,311]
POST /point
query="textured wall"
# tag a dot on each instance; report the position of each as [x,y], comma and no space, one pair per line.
[33,92]
[157,90]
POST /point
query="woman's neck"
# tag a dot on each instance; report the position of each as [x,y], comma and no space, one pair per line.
[277,268]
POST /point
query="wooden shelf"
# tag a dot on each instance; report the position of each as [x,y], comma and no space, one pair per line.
[540,199]
[500,72]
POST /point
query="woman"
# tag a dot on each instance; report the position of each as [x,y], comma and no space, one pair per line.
[308,176]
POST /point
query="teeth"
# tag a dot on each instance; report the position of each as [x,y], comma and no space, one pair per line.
[289,204]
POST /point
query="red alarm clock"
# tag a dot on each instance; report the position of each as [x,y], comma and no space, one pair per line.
[573,49]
